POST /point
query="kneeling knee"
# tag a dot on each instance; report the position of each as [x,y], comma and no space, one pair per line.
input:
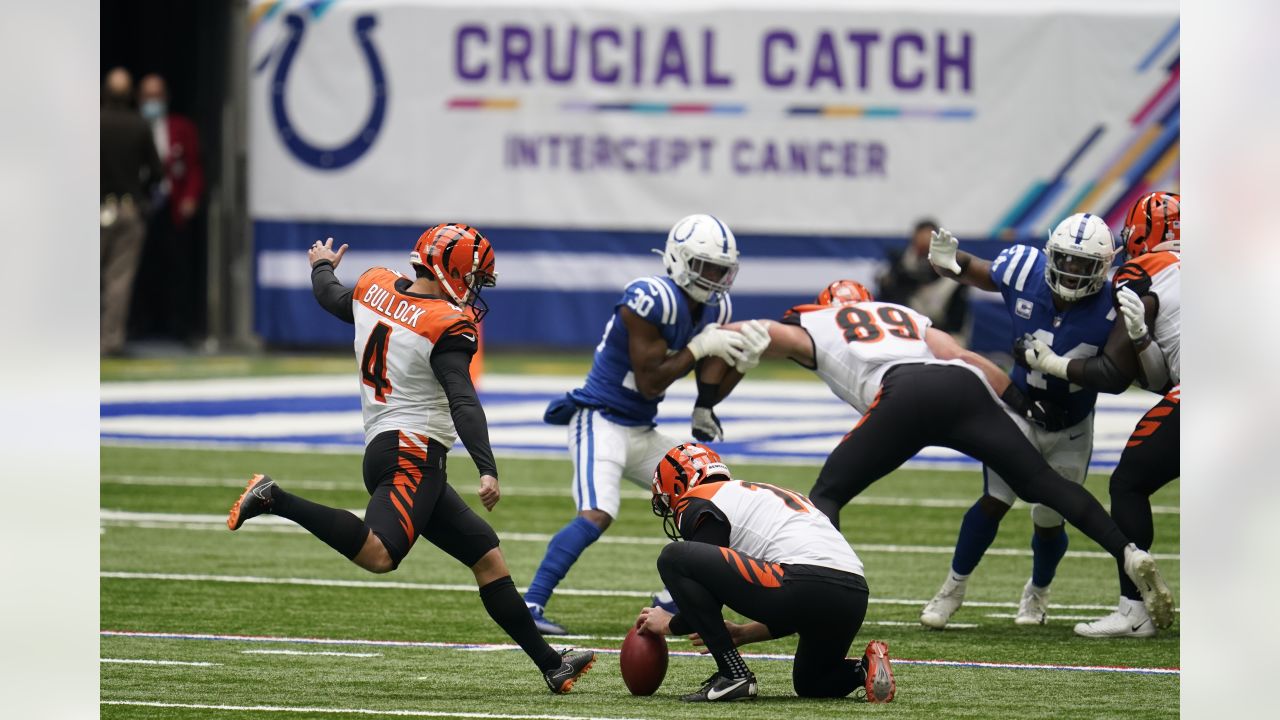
[672,556]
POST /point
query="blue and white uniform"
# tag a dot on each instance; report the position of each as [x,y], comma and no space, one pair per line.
[612,433]
[1080,331]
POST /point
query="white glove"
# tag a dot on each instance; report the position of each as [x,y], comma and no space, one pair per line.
[706,426]
[1135,314]
[942,250]
[724,344]
[756,333]
[1040,356]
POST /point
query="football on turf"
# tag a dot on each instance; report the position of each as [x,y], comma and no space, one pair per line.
[644,661]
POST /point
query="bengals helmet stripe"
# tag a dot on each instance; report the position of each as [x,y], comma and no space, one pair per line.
[844,292]
[461,259]
[1154,219]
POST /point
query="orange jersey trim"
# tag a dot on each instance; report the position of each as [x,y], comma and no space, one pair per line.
[1150,263]
[431,318]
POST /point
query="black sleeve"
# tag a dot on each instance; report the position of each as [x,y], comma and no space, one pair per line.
[332,295]
[1100,373]
[701,521]
[451,362]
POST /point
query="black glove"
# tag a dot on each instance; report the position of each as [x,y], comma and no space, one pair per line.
[1020,354]
[1043,413]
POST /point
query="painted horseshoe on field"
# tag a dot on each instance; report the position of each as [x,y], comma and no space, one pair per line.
[340,156]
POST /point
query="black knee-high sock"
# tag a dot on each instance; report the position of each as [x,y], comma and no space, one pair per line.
[507,608]
[339,529]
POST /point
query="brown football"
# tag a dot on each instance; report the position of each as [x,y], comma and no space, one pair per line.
[644,661]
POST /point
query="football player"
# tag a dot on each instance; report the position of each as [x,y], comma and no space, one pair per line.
[1148,292]
[660,329]
[914,389]
[767,553]
[1055,296]
[413,341]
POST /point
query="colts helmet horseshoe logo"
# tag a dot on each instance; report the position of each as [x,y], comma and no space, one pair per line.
[341,155]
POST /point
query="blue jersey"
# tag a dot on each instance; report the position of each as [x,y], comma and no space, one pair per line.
[1078,332]
[611,384]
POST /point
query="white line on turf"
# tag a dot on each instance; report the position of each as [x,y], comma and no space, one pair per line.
[325,653]
[194,521]
[137,661]
[614,651]
[440,587]
[349,711]
[1054,616]
[535,491]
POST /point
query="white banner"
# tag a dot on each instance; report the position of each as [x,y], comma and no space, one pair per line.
[812,120]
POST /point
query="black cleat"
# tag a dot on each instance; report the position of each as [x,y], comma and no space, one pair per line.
[719,688]
[254,501]
[574,666]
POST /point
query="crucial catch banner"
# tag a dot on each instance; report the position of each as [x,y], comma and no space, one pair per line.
[794,120]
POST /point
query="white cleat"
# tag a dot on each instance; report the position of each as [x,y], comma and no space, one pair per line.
[1129,620]
[1141,569]
[1033,609]
[943,605]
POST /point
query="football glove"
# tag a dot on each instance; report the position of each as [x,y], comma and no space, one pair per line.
[757,341]
[706,426]
[942,250]
[1131,307]
[1047,415]
[1032,353]
[724,344]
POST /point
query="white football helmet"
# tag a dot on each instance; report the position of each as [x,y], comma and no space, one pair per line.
[1080,251]
[701,256]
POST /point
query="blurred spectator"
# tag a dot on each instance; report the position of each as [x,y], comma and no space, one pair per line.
[171,268]
[130,171]
[911,281]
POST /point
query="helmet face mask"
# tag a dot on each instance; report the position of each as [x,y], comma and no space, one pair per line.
[683,468]
[701,256]
[1080,250]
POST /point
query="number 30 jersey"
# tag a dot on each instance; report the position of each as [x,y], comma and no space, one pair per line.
[854,345]
[395,334]
[770,523]
[611,384]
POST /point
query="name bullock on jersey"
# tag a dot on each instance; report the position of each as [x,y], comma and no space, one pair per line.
[766,552]
[660,329]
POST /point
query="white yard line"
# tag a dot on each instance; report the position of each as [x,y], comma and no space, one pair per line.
[195,521]
[350,711]
[137,661]
[534,491]
[440,587]
[324,653]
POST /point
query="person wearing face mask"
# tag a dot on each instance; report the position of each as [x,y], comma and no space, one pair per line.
[171,274]
[130,171]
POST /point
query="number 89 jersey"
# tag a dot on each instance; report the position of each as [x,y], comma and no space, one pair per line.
[395,334]
[853,345]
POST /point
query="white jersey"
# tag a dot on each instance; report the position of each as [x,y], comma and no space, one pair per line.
[395,334]
[854,345]
[772,524]
[1159,274]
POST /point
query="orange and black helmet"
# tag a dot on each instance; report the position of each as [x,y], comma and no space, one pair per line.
[683,468]
[1153,219]
[461,259]
[843,292]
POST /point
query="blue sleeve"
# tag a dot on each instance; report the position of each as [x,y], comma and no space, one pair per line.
[1013,268]
[651,300]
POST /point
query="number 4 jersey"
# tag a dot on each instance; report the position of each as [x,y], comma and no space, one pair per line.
[853,345]
[396,331]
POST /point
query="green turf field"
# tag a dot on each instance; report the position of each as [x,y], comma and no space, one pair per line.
[169,566]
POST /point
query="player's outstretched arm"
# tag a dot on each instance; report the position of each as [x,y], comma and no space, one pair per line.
[951,262]
[945,347]
[787,341]
[1139,313]
[1111,371]
[330,293]
[451,363]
